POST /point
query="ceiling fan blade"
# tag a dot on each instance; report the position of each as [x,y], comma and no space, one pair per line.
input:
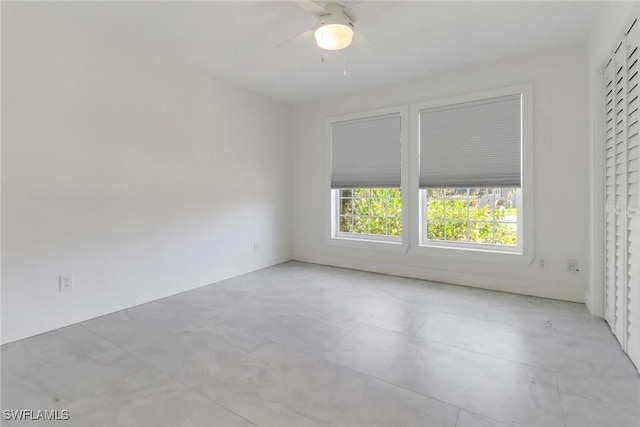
[312,7]
[300,36]
[361,40]
[349,7]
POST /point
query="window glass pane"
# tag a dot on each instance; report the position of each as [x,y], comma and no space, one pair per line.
[361,206]
[378,192]
[456,208]
[457,231]
[394,226]
[378,207]
[346,223]
[346,193]
[478,206]
[394,207]
[510,205]
[506,234]
[360,224]
[435,230]
[361,192]
[346,206]
[435,209]
[378,225]
[481,232]
[435,193]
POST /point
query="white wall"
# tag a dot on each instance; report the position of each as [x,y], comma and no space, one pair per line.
[605,36]
[561,176]
[140,176]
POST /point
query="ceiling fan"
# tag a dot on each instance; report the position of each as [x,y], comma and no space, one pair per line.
[334,28]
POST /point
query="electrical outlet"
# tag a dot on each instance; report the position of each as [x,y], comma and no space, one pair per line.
[542,263]
[66,282]
[572,266]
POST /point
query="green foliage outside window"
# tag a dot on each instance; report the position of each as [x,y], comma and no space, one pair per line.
[456,217]
[376,211]
[451,215]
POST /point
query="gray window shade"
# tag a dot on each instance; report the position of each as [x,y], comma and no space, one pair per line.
[365,153]
[472,144]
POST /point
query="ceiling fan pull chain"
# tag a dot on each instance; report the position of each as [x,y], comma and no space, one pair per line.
[344,68]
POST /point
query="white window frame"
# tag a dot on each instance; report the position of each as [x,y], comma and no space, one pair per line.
[524,252]
[468,245]
[370,241]
[357,236]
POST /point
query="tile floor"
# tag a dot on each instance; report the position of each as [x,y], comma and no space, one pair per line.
[305,345]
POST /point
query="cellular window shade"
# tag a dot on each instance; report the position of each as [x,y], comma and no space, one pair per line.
[472,144]
[365,153]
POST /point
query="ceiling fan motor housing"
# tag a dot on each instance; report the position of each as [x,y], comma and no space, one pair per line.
[334,31]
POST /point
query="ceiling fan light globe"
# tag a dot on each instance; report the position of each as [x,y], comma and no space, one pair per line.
[334,36]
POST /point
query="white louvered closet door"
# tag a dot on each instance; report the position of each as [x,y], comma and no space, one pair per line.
[622,193]
[632,337]
[610,207]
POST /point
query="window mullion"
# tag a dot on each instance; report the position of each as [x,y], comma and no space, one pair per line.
[493,227]
[444,214]
[468,203]
[368,211]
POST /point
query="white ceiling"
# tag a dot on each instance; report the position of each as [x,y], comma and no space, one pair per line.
[237,41]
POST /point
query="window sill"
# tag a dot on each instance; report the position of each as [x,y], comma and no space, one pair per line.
[368,243]
[489,254]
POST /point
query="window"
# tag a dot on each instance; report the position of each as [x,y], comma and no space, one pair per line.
[367,177]
[483,216]
[370,211]
[472,193]
[471,174]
